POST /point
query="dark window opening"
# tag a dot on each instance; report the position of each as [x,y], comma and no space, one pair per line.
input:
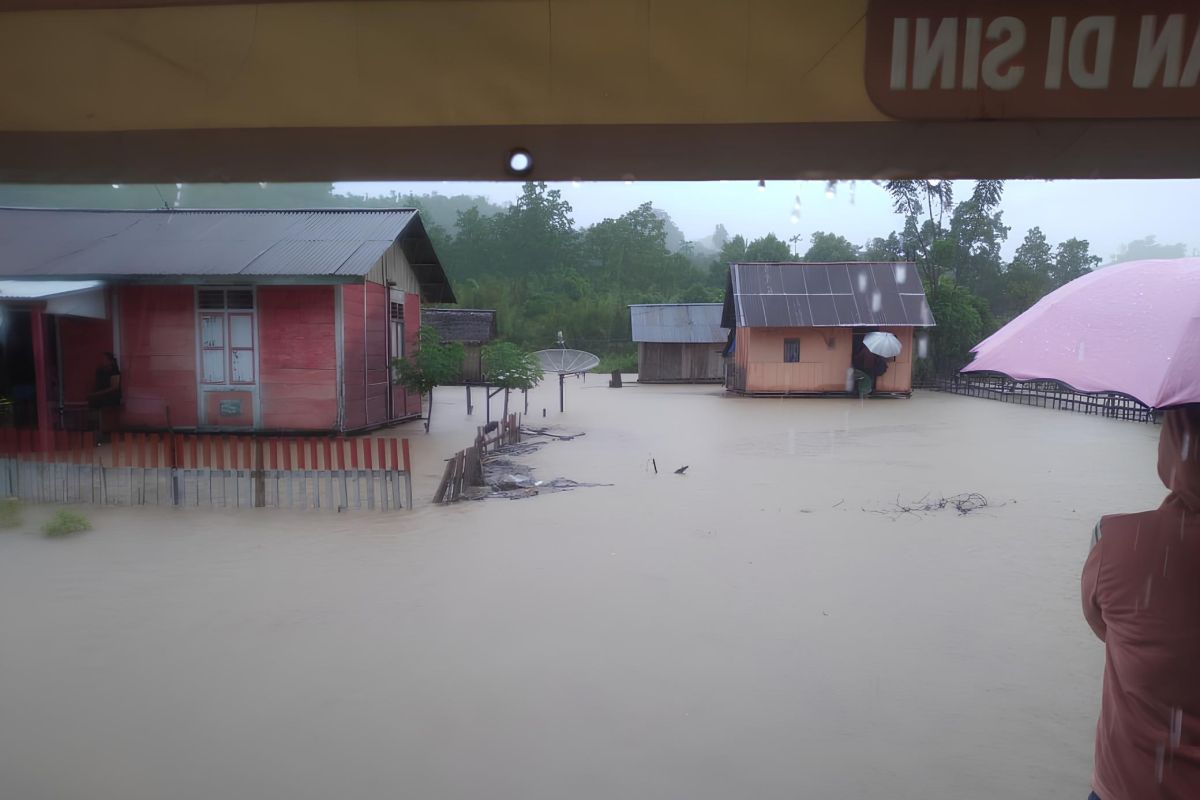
[791,351]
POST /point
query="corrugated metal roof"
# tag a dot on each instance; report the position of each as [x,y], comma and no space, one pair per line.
[69,243]
[41,290]
[844,294]
[472,325]
[691,323]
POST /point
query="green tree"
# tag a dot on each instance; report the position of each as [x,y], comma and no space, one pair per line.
[1022,288]
[632,250]
[963,320]
[675,240]
[953,260]
[436,363]
[1035,253]
[733,251]
[768,248]
[924,204]
[1147,248]
[831,247]
[509,367]
[888,249]
[1072,260]
[1030,275]
[978,233]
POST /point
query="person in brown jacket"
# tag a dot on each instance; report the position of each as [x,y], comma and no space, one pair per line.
[1141,596]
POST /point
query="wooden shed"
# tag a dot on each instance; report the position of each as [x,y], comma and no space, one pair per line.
[471,327]
[225,320]
[796,325]
[679,342]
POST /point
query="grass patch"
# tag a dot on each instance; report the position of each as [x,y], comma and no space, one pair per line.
[11,513]
[626,362]
[65,523]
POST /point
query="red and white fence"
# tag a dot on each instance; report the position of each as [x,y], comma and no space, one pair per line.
[215,471]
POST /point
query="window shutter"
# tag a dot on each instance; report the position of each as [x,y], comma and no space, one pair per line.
[239,298]
[211,299]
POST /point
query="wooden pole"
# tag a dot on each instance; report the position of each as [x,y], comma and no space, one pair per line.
[45,435]
[439,496]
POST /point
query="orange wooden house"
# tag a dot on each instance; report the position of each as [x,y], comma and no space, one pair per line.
[795,326]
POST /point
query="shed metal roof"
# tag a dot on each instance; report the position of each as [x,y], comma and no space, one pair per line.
[688,323]
[843,294]
[43,290]
[470,325]
[234,243]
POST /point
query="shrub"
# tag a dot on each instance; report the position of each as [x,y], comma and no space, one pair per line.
[66,523]
[11,515]
[626,362]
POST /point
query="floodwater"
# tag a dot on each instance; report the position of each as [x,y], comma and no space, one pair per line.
[744,630]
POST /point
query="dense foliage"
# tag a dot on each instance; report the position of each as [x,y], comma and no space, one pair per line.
[434,364]
[509,367]
[543,273]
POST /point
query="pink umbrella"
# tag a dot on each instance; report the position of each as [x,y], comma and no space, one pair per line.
[1132,328]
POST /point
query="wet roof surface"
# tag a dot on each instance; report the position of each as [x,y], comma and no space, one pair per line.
[849,294]
[690,323]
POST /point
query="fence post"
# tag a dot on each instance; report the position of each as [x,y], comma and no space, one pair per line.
[260,481]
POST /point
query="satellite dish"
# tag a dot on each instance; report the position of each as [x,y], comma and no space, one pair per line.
[565,361]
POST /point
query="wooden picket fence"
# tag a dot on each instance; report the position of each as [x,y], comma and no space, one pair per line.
[200,470]
[465,468]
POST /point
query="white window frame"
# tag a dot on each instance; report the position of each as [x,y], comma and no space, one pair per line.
[227,384]
[395,330]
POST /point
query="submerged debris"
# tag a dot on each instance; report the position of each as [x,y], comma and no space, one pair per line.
[964,504]
[562,437]
[514,481]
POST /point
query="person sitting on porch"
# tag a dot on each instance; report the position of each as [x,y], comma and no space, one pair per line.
[106,394]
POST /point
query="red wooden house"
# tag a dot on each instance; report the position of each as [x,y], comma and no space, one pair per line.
[220,320]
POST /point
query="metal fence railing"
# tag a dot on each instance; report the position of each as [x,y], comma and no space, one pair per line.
[1044,394]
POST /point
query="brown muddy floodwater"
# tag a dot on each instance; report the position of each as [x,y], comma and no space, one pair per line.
[745,630]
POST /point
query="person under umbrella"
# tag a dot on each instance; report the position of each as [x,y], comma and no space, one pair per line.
[1141,597]
[869,360]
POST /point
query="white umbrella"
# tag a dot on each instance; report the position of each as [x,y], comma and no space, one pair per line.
[884,345]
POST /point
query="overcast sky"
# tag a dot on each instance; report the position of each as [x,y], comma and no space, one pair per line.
[1106,213]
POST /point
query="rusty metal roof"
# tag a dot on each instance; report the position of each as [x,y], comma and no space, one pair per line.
[843,294]
[240,244]
[470,325]
[689,323]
